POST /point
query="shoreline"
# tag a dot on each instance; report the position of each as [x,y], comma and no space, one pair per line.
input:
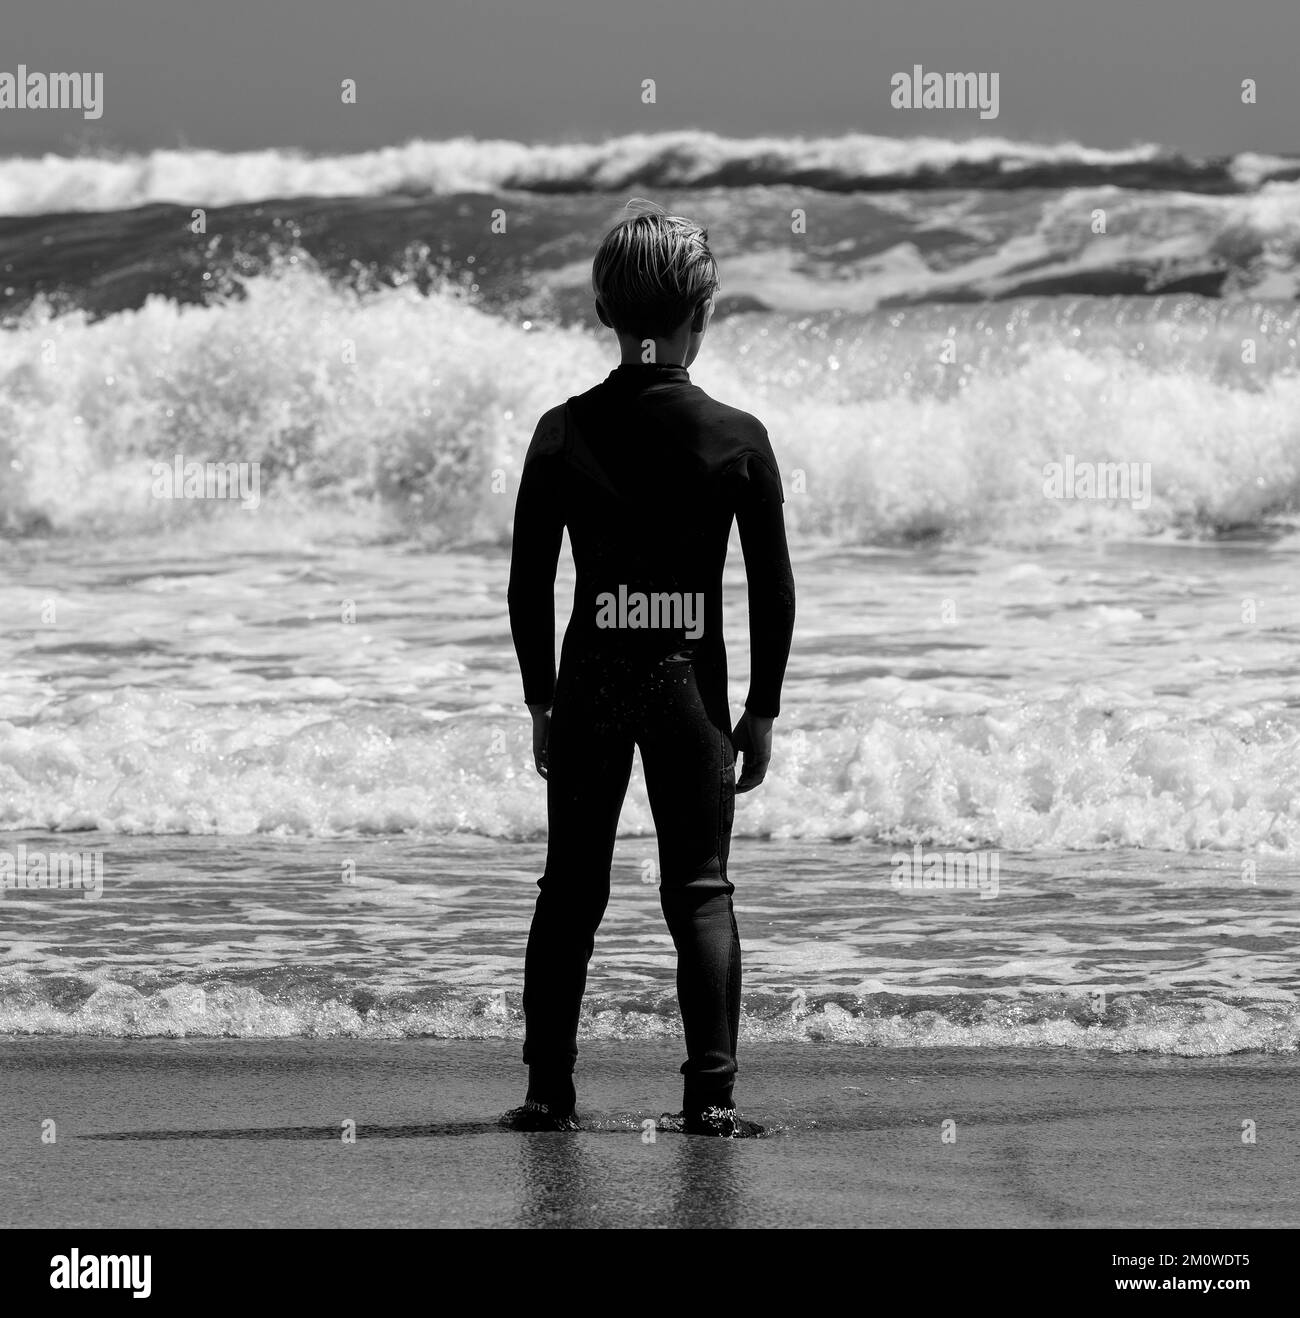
[218,1133]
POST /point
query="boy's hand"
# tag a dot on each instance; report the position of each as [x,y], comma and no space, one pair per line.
[541,734]
[753,739]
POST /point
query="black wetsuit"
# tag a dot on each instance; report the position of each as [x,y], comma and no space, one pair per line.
[647,473]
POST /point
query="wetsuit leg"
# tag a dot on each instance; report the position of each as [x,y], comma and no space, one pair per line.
[690,780]
[590,760]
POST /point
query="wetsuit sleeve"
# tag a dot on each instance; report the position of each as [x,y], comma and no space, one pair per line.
[770,578]
[534,555]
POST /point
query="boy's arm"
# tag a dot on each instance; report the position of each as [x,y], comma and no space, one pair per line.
[771,610]
[771,584]
[534,555]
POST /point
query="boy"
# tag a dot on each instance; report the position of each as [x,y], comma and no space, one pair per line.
[647,473]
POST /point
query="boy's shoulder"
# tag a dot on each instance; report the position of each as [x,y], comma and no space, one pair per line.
[744,425]
[740,435]
[548,437]
[730,433]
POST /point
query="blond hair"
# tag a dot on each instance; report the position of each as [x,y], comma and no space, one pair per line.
[652,270]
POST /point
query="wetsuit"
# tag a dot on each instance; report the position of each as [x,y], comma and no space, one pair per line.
[647,473]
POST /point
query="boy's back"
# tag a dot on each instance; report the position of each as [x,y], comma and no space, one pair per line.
[647,472]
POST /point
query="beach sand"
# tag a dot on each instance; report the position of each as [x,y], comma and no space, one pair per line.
[168,1132]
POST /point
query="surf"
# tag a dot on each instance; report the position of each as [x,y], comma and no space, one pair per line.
[884,435]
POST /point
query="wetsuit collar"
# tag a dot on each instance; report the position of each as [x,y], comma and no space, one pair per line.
[642,373]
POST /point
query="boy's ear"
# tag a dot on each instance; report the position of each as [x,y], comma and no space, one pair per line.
[603,314]
[701,317]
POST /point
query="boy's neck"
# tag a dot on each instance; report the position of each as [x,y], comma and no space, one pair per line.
[667,352]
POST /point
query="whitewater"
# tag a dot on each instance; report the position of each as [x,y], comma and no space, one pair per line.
[296,730]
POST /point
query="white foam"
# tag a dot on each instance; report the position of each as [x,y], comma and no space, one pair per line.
[891,443]
[1195,1028]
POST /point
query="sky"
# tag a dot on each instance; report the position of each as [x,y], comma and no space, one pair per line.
[245,74]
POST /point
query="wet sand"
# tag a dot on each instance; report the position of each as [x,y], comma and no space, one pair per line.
[154,1133]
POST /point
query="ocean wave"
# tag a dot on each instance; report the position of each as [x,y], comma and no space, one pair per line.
[390,409]
[862,252]
[687,159]
[1126,1023]
[1086,772]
